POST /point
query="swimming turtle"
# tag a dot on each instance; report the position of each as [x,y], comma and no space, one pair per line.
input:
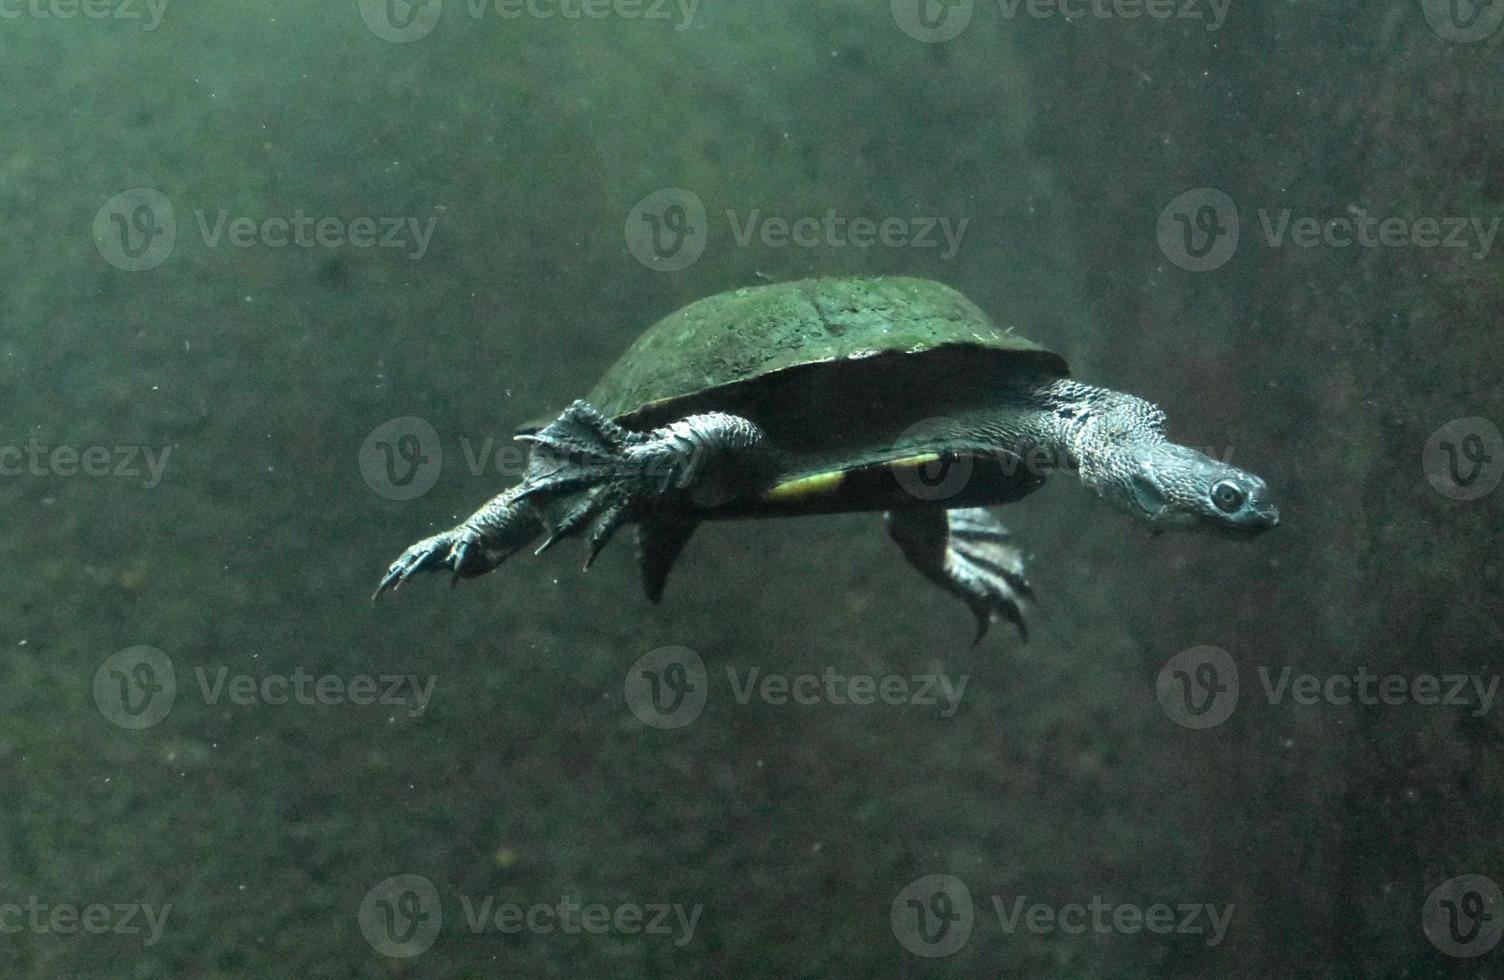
[838,395]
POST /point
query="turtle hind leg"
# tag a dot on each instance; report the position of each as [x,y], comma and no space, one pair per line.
[971,555]
[486,539]
[588,476]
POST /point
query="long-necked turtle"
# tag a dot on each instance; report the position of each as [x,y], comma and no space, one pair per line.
[837,395]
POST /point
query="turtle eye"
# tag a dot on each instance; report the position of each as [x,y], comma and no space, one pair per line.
[1228,496]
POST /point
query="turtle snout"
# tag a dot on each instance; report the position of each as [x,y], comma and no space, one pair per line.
[1259,512]
[1266,516]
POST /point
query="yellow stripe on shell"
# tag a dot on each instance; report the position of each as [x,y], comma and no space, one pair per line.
[819,485]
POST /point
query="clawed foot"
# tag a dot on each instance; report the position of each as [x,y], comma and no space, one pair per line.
[585,475]
[989,568]
[971,555]
[447,550]
[486,539]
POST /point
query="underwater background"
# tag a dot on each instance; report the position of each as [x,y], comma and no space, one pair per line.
[282,278]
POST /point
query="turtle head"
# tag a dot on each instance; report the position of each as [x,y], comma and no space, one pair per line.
[1172,486]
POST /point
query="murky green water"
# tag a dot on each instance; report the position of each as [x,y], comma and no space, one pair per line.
[283,279]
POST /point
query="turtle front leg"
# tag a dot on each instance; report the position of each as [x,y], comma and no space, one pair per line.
[971,555]
[586,474]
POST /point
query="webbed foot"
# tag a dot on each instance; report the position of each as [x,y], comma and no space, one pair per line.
[971,555]
[597,475]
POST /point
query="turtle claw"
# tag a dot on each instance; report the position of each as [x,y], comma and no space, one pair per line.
[430,553]
[971,555]
[456,557]
[473,548]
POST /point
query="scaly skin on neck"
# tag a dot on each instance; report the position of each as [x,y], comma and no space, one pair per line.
[1116,442]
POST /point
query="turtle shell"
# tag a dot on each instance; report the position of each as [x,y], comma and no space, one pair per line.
[739,348]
